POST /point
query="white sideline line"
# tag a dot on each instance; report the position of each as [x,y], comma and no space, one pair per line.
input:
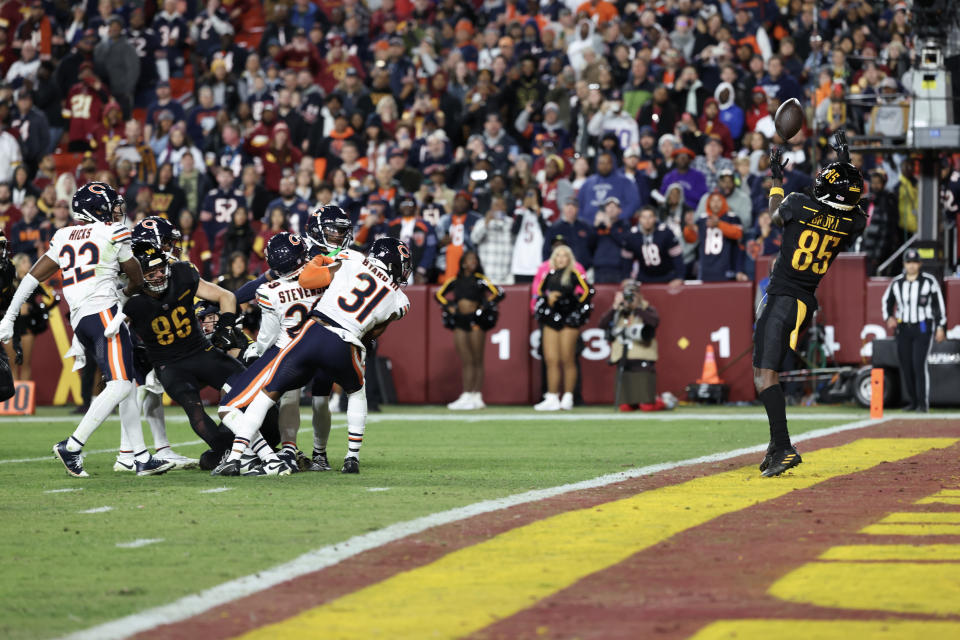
[64,490]
[330,555]
[667,416]
[97,510]
[139,542]
[217,490]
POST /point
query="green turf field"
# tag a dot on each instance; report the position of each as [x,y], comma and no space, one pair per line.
[63,570]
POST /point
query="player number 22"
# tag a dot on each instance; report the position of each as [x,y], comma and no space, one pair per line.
[361,294]
[161,326]
[810,241]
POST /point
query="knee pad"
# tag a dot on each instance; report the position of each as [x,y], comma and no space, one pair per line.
[118,389]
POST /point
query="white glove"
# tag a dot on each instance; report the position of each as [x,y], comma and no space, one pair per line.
[77,353]
[252,351]
[6,329]
[114,326]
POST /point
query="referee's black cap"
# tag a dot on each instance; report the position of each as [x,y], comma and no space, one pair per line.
[911,255]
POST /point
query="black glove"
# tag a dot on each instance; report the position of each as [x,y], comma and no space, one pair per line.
[17,349]
[777,166]
[224,335]
[840,146]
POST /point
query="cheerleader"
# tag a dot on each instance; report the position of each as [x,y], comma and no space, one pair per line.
[469,302]
[33,320]
[562,307]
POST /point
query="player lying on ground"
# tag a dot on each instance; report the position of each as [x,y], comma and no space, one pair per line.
[91,257]
[328,233]
[815,229]
[164,318]
[362,297]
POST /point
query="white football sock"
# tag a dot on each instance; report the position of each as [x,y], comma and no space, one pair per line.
[356,421]
[249,423]
[130,425]
[151,404]
[100,409]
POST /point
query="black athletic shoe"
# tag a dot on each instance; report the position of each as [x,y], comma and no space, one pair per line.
[289,458]
[229,468]
[921,408]
[72,460]
[350,465]
[767,458]
[320,462]
[909,407]
[154,467]
[782,460]
[210,459]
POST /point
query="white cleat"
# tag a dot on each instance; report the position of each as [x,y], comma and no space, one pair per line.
[463,403]
[566,402]
[125,463]
[275,468]
[179,462]
[551,402]
[477,399]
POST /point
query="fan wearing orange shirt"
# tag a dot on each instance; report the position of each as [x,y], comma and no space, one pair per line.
[600,9]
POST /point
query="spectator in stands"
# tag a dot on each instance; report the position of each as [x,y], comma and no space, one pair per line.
[34,130]
[879,239]
[255,197]
[656,249]
[764,240]
[116,60]
[85,101]
[192,181]
[21,186]
[194,245]
[575,233]
[605,183]
[29,234]
[738,198]
[889,116]
[25,67]
[168,197]
[236,272]
[238,237]
[454,231]
[719,233]
[730,113]
[295,208]
[173,29]
[528,229]
[178,146]
[164,102]
[9,212]
[712,162]
[202,119]
[694,183]
[493,238]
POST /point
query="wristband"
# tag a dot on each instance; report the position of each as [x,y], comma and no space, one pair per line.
[775,191]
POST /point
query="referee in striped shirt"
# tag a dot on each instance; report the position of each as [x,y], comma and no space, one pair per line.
[913,307]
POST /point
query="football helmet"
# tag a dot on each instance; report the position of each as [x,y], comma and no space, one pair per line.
[286,254]
[839,185]
[161,233]
[98,202]
[330,228]
[392,256]
[154,264]
[208,313]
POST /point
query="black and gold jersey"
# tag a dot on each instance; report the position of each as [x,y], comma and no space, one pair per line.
[168,325]
[813,235]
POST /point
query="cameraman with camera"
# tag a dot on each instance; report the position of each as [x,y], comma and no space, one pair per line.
[630,326]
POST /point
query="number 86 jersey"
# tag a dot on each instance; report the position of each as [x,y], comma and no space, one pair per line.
[813,235]
[89,257]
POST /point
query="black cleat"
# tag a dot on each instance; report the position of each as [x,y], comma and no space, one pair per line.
[782,460]
[350,465]
[767,458]
[909,407]
[320,462]
[72,460]
[289,458]
[229,468]
[154,467]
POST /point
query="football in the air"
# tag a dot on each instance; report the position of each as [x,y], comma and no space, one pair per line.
[789,119]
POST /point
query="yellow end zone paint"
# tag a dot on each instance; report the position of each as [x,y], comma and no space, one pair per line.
[913,517]
[474,587]
[826,630]
[912,529]
[903,587]
[936,552]
[939,500]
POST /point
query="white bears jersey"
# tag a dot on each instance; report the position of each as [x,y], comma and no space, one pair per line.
[89,257]
[360,297]
[285,307]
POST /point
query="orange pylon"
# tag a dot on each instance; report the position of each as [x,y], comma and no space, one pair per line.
[709,368]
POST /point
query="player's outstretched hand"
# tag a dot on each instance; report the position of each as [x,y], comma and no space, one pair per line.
[777,164]
[224,337]
[840,145]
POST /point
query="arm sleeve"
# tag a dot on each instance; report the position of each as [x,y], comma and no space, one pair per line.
[676,254]
[583,285]
[690,233]
[316,275]
[479,232]
[249,290]
[442,291]
[939,309]
[269,331]
[889,304]
[730,230]
[120,237]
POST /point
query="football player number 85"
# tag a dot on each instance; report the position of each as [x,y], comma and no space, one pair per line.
[814,252]
[161,326]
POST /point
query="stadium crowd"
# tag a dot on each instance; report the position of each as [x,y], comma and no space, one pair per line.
[636,133]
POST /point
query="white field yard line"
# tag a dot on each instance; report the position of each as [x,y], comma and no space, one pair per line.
[666,416]
[330,555]
[139,542]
